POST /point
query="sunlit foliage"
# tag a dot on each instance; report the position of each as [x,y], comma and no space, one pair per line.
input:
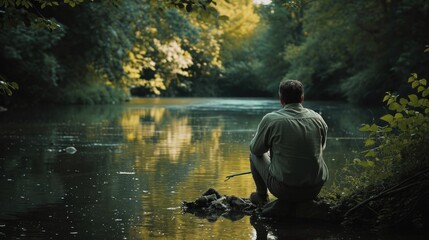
[110,45]
[352,51]
[393,147]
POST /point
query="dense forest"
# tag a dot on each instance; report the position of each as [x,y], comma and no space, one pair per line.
[89,52]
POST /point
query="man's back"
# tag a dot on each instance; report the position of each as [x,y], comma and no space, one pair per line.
[295,137]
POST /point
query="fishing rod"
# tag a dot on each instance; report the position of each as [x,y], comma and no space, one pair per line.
[236,174]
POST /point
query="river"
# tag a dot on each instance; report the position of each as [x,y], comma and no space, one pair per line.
[136,162]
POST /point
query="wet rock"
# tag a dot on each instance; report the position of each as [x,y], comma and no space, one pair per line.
[205,201]
[212,205]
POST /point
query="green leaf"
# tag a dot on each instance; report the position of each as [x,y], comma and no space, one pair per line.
[387,118]
[364,128]
[399,116]
[413,98]
[411,79]
[373,128]
[420,88]
[415,84]
[367,128]
[414,75]
[369,142]
[402,125]
[395,107]
[386,98]
[423,102]
[371,153]
[425,92]
[423,82]
[403,101]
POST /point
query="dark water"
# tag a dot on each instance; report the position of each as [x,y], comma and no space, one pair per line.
[135,163]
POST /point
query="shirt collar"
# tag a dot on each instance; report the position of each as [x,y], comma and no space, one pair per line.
[293,105]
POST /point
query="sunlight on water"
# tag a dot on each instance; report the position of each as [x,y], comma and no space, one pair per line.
[135,163]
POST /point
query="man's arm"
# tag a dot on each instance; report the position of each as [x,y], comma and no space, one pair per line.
[260,142]
[324,134]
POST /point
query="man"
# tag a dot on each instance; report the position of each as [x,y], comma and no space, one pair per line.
[286,152]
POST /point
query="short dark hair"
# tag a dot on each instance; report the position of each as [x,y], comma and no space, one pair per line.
[291,91]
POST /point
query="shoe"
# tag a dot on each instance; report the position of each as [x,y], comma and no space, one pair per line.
[259,199]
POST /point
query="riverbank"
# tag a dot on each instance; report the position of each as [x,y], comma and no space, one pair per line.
[398,202]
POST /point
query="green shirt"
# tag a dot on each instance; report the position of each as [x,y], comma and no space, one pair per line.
[296,137]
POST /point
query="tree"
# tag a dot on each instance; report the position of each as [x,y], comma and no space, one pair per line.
[86,58]
[257,66]
[363,49]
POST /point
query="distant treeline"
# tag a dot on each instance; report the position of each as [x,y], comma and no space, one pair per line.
[102,52]
[352,50]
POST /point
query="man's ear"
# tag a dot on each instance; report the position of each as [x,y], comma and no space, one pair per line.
[302,98]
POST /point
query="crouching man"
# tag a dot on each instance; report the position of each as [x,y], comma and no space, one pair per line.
[286,151]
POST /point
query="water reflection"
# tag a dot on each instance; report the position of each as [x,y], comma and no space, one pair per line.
[136,162]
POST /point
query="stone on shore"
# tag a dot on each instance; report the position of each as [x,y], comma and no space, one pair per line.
[212,205]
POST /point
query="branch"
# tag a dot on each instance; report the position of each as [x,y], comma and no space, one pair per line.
[390,190]
[237,174]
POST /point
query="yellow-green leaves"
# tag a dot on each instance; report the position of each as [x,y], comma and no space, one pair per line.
[7,87]
[73,3]
[425,93]
[33,16]
[7,3]
[363,163]
[48,3]
[407,121]
[23,3]
[368,128]
[394,106]
[369,142]
[420,84]
[16,3]
[403,101]
[42,3]
[414,100]
[387,118]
